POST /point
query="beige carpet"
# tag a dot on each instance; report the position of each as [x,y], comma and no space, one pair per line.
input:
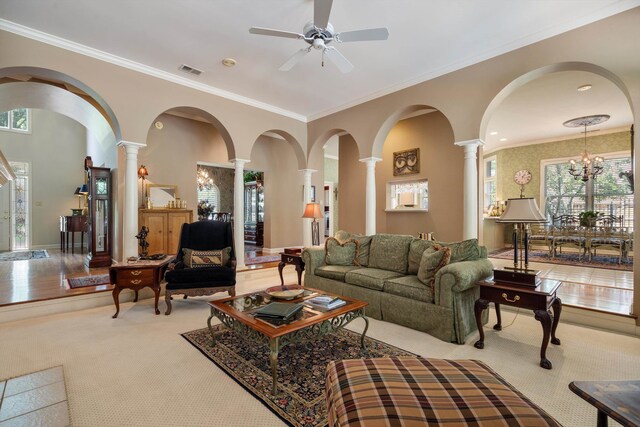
[137,370]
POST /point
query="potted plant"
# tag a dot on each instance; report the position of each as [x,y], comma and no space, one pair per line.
[588,218]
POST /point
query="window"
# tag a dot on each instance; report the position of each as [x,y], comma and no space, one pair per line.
[210,195]
[408,195]
[490,178]
[15,120]
[611,193]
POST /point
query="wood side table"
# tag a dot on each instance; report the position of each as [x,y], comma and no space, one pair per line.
[619,400]
[293,259]
[135,276]
[539,299]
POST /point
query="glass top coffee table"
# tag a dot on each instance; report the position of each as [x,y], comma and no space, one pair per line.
[238,314]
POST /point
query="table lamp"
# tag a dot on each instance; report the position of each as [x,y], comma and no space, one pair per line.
[312,210]
[79,195]
[520,212]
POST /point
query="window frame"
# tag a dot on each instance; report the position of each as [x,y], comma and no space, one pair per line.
[489,179]
[10,127]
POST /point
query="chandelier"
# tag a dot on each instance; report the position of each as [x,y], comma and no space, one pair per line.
[589,167]
[205,182]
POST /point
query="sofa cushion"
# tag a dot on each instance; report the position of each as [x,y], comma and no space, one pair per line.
[390,252]
[202,259]
[416,249]
[433,259]
[364,245]
[340,253]
[334,272]
[466,250]
[409,287]
[372,278]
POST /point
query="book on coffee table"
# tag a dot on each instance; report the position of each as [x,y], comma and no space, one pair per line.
[278,310]
[325,302]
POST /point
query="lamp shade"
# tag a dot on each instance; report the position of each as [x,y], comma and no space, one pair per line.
[84,189]
[522,210]
[77,192]
[406,198]
[312,210]
[142,171]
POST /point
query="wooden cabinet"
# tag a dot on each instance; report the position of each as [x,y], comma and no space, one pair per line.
[254,213]
[164,228]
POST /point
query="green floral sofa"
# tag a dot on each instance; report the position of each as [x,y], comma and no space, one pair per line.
[387,271]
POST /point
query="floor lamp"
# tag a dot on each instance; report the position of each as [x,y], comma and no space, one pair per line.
[312,210]
[520,212]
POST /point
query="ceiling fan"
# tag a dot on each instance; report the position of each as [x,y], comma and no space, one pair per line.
[319,33]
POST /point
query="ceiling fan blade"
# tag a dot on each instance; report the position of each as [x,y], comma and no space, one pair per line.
[321,12]
[338,59]
[275,33]
[363,35]
[294,60]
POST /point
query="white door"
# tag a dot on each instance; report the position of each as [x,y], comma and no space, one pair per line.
[5,218]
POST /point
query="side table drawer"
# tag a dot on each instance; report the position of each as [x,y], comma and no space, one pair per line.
[135,277]
[514,298]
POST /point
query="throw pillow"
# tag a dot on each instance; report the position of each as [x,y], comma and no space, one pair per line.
[433,259]
[340,253]
[466,250]
[342,236]
[201,259]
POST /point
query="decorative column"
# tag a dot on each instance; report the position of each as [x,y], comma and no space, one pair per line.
[370,194]
[306,222]
[130,222]
[470,203]
[238,211]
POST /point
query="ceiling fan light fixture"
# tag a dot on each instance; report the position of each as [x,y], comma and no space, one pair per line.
[584,88]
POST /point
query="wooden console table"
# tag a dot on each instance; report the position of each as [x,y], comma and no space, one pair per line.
[293,259]
[72,224]
[539,299]
[135,276]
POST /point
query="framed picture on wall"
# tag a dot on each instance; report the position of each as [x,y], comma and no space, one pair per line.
[406,162]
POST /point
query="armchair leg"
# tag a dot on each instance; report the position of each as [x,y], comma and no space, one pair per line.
[167,300]
[232,292]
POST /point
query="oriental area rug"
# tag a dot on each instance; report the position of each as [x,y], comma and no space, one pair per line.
[261,259]
[23,255]
[300,400]
[609,262]
[81,282]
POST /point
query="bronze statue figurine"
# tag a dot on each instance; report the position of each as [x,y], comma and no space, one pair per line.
[142,241]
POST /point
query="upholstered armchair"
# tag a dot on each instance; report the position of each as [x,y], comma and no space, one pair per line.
[205,263]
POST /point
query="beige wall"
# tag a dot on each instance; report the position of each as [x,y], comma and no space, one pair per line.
[351,197]
[55,149]
[441,163]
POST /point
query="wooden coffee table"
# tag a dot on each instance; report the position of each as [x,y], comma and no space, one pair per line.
[236,313]
[619,400]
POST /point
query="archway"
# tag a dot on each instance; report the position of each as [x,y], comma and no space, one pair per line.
[546,98]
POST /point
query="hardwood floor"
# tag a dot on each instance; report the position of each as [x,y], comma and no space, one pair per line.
[43,279]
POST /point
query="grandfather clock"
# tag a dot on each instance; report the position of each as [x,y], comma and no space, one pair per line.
[99,181]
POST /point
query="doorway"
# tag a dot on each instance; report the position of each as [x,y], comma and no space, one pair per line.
[5,218]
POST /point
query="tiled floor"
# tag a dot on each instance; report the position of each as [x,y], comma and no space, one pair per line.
[37,399]
[610,291]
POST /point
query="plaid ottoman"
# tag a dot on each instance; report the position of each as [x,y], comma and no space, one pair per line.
[418,392]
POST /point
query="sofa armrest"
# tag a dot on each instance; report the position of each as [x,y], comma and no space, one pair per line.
[458,277]
[313,258]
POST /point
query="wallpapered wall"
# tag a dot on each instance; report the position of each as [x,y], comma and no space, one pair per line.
[511,160]
[223,178]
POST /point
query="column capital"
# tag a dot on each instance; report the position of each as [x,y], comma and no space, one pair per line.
[470,144]
[307,172]
[131,145]
[370,160]
[239,162]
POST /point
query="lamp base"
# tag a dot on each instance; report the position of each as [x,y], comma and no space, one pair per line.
[517,276]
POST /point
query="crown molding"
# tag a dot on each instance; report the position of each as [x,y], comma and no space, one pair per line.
[56,41]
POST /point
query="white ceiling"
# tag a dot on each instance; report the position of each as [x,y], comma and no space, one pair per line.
[535,112]
[427,38]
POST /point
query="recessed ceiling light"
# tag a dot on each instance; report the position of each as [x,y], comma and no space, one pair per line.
[228,62]
[584,87]
[503,139]
[493,133]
